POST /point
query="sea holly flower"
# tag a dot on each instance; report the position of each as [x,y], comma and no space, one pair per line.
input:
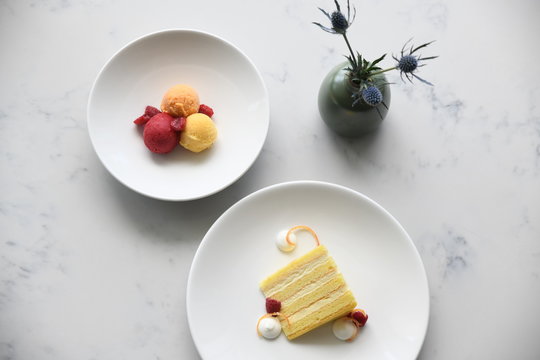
[372,95]
[340,24]
[361,72]
[409,63]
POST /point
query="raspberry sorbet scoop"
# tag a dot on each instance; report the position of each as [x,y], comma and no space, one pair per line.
[158,136]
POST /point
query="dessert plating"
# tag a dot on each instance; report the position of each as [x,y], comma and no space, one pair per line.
[309,292]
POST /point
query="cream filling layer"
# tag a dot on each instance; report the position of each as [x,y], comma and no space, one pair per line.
[309,288]
[316,306]
[298,273]
[306,326]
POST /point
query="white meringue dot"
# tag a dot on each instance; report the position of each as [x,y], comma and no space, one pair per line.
[344,328]
[270,327]
[283,244]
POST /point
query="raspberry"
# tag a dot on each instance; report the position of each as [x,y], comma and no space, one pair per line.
[141,120]
[272,306]
[206,110]
[360,316]
[178,124]
[151,111]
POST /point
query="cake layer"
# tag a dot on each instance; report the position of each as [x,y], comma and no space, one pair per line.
[311,291]
[305,299]
[339,307]
[323,267]
[294,269]
[308,287]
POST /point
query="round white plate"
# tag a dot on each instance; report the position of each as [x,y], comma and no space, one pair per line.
[376,256]
[139,74]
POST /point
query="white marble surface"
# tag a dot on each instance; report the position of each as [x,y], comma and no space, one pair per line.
[92,270]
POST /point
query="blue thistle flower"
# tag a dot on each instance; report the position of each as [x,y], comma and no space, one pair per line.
[372,95]
[339,22]
[409,63]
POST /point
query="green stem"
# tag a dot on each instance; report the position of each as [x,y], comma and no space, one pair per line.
[350,49]
[383,71]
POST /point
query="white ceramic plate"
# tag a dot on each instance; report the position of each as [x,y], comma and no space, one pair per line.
[139,74]
[376,256]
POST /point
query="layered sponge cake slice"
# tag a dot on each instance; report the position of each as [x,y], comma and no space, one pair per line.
[311,290]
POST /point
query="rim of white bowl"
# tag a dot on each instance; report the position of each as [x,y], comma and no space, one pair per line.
[157,33]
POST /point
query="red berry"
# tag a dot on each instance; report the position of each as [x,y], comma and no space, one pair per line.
[178,124]
[360,316]
[141,120]
[272,305]
[206,110]
[151,111]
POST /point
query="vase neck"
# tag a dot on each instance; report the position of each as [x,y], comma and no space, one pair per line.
[349,85]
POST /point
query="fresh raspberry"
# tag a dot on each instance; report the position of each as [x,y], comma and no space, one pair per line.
[272,305]
[151,111]
[360,316]
[206,110]
[141,120]
[178,124]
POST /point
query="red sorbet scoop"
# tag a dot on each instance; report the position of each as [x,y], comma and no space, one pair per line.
[158,135]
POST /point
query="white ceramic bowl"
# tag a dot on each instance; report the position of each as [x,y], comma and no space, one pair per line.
[139,74]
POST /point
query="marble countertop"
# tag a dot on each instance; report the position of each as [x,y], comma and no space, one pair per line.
[92,270]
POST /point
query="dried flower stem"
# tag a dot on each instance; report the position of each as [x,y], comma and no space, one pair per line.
[350,49]
[383,71]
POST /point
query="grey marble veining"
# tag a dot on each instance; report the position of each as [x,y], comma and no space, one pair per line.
[92,270]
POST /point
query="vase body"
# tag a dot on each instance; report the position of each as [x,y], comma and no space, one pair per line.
[336,104]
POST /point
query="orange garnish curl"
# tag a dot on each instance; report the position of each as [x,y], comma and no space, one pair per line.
[301,227]
[356,323]
[285,316]
[355,331]
[258,322]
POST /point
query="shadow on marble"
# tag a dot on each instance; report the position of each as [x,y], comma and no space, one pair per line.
[356,148]
[165,221]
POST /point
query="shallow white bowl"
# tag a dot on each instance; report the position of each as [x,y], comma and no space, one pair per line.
[139,74]
[376,256]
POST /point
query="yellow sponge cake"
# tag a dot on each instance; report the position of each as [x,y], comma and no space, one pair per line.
[311,290]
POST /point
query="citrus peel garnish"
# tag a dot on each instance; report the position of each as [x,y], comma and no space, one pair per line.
[355,331]
[301,227]
[357,324]
[267,315]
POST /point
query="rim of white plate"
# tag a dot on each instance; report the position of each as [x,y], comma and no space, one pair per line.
[204,242]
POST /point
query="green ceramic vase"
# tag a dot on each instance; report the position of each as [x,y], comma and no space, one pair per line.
[337,111]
